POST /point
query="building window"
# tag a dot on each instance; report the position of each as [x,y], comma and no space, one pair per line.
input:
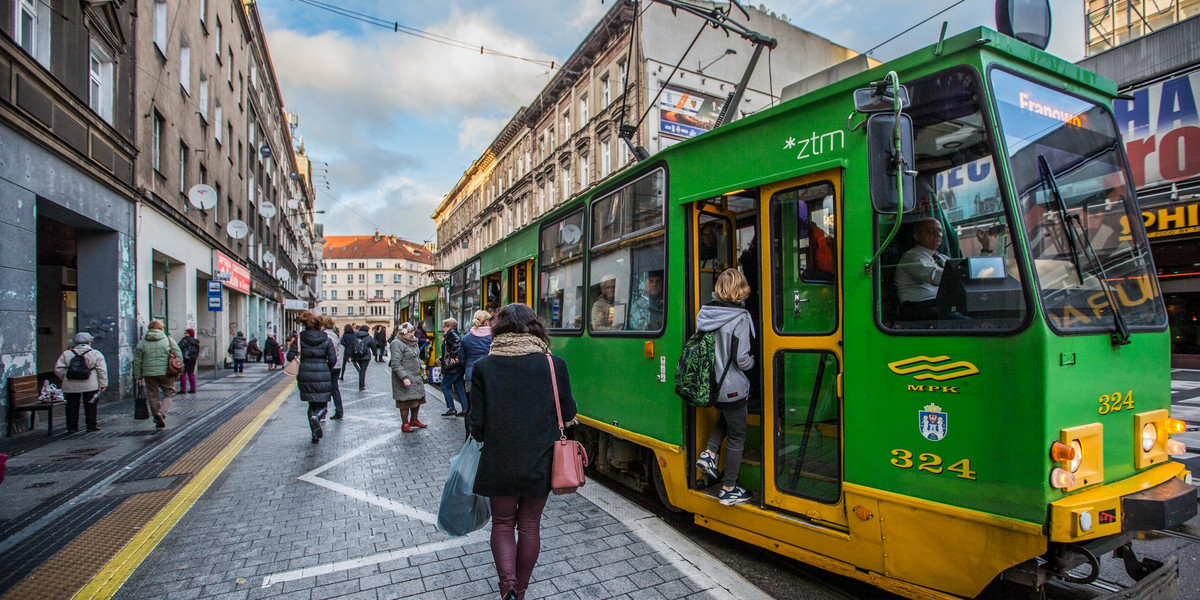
[362,294]
[185,66]
[324,294]
[362,278]
[323,310]
[217,39]
[362,266]
[324,278]
[397,279]
[378,265]
[410,280]
[333,310]
[203,175]
[100,82]
[183,154]
[566,124]
[156,144]
[379,294]
[203,10]
[379,278]
[160,26]
[395,294]
[583,111]
[605,92]
[584,174]
[333,278]
[333,266]
[566,183]
[333,295]
[399,265]
[605,157]
[219,114]
[32,29]
[204,97]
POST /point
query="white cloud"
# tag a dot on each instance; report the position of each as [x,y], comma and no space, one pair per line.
[589,13]
[476,133]
[396,205]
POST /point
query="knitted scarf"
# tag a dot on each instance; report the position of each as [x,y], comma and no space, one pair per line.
[518,344]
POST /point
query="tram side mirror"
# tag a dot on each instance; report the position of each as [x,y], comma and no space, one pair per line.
[879,98]
[882,163]
[1026,20]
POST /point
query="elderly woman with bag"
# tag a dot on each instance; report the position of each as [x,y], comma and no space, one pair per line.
[408,389]
[151,366]
[513,413]
[315,377]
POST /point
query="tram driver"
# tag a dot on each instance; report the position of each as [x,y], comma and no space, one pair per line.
[920,270]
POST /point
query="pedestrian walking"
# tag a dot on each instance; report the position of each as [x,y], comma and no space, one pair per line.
[381,343]
[150,363]
[476,345]
[361,349]
[347,341]
[452,368]
[237,350]
[315,378]
[727,317]
[408,389]
[272,353]
[335,371]
[84,375]
[513,414]
[190,347]
[291,347]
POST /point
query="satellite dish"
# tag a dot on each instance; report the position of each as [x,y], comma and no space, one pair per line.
[268,257]
[267,210]
[283,274]
[202,196]
[293,204]
[265,151]
[237,229]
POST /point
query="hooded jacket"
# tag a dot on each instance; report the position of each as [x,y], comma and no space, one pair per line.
[475,345]
[150,356]
[317,358]
[237,347]
[97,375]
[729,320]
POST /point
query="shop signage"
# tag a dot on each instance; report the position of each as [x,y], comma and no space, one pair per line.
[1172,220]
[231,273]
[1162,130]
[290,304]
[686,114]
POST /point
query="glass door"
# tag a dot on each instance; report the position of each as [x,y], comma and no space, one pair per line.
[802,351]
[520,281]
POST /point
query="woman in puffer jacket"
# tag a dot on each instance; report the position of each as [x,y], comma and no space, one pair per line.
[315,379]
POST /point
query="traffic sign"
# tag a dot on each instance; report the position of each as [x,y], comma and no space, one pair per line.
[214,296]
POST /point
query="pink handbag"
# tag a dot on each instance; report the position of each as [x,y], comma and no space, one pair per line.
[566,471]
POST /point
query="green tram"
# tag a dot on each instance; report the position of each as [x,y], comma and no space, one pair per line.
[1018,429]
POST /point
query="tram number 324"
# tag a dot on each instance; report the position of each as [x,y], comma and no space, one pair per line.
[1116,402]
[931,463]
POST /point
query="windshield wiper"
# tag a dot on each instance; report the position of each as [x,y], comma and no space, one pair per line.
[1077,237]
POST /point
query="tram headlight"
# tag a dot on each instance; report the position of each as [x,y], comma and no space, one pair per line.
[1149,437]
[1077,446]
[1173,426]
[1176,447]
[1061,478]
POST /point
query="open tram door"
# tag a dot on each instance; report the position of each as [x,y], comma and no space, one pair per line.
[520,281]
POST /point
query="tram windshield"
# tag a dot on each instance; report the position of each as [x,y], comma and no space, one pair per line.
[1077,208]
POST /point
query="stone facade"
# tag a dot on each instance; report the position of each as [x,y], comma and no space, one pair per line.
[362,276]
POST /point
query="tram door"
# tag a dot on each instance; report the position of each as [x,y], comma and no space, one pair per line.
[491,295]
[520,282]
[801,340]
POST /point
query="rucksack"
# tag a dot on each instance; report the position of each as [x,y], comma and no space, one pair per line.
[426,351]
[78,368]
[695,374]
[360,349]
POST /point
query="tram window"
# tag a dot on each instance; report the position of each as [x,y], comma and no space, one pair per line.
[808,459]
[628,258]
[454,295]
[561,285]
[803,266]
[925,283]
[712,251]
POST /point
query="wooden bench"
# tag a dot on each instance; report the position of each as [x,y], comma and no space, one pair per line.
[23,396]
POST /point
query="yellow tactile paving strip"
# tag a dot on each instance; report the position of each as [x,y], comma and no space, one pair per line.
[96,563]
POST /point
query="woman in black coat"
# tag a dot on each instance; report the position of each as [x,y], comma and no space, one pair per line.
[315,379]
[271,352]
[513,414]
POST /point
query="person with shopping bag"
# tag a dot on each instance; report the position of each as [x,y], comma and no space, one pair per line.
[513,413]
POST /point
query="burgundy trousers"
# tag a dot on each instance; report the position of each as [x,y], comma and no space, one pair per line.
[516,540]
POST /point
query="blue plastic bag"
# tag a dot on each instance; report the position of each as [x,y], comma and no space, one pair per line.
[461,511]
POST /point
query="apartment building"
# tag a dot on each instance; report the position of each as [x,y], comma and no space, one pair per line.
[566,140]
[210,112]
[362,276]
[67,189]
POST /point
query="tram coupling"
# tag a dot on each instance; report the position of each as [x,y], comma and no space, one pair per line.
[1079,564]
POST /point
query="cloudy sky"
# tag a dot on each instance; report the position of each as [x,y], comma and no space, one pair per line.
[391,121]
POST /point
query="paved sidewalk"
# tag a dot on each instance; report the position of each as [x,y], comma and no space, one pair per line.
[354,517]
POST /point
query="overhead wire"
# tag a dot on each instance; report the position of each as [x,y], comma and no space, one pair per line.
[397,27]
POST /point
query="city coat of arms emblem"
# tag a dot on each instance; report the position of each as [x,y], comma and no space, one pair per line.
[933,423]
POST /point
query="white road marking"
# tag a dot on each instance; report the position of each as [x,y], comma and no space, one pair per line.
[345,565]
[1181,385]
[698,566]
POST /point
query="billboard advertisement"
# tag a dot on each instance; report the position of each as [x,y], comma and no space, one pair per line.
[1162,130]
[686,114]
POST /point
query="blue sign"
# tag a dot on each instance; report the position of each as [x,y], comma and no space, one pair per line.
[214,296]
